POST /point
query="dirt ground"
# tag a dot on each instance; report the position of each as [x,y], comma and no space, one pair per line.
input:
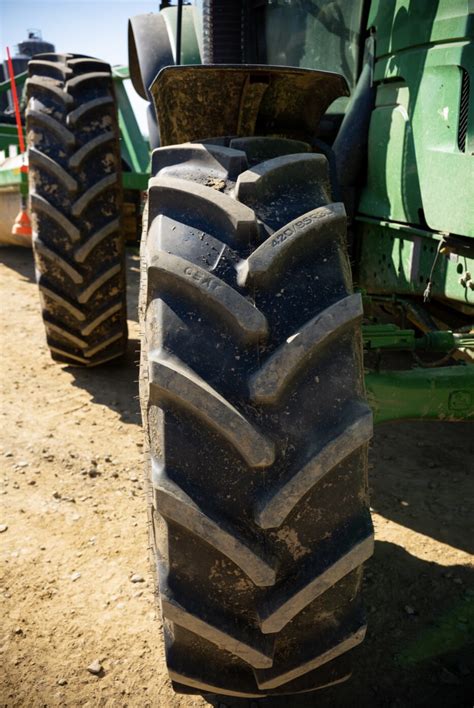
[73,505]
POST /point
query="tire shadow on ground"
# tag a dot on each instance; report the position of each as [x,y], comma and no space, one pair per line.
[421,477]
[20,260]
[419,649]
[114,384]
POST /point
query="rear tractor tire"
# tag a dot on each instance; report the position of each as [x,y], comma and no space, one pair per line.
[76,207]
[252,395]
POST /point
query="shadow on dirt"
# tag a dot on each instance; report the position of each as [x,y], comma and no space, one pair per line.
[421,477]
[115,384]
[419,648]
[20,260]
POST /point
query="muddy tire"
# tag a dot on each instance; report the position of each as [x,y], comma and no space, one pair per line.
[76,202]
[253,398]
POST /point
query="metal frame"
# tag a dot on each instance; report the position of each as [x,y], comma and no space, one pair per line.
[134,147]
[443,393]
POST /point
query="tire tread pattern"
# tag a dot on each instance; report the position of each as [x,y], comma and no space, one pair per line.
[252,396]
[76,202]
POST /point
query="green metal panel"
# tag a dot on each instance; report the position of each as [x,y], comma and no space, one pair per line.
[134,147]
[392,190]
[420,164]
[445,393]
[189,43]
[397,258]
[407,23]
[19,81]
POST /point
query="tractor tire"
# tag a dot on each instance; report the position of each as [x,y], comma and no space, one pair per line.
[75,196]
[252,395]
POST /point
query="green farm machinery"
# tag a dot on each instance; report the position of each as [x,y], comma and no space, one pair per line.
[307,270]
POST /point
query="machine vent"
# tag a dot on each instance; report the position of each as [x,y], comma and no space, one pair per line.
[463,110]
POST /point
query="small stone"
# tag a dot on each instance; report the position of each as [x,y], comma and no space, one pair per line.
[93,472]
[18,630]
[136,578]
[3,528]
[404,503]
[62,682]
[56,495]
[133,479]
[410,610]
[32,482]
[22,463]
[75,576]
[9,454]
[95,668]
[458,581]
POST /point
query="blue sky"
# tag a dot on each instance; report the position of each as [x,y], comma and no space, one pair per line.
[94,27]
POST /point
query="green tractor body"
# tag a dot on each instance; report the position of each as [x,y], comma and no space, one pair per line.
[402,145]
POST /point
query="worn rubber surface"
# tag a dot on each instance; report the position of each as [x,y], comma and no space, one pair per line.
[76,202]
[252,394]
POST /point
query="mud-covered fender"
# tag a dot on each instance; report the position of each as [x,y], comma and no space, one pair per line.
[196,102]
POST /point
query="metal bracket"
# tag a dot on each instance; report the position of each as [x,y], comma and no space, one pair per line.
[444,393]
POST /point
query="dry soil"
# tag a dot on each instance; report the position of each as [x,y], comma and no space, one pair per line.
[73,535]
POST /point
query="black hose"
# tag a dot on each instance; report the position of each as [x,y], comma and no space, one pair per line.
[178,31]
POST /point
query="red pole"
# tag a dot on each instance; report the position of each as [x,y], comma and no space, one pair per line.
[16,103]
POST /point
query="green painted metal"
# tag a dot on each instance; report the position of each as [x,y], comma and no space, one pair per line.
[420,166]
[8,136]
[19,80]
[443,393]
[398,258]
[134,147]
[190,53]
[389,336]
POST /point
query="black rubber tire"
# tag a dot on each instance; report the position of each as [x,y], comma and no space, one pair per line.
[253,399]
[75,195]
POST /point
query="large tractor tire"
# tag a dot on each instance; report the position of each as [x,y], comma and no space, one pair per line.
[76,203]
[253,398]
